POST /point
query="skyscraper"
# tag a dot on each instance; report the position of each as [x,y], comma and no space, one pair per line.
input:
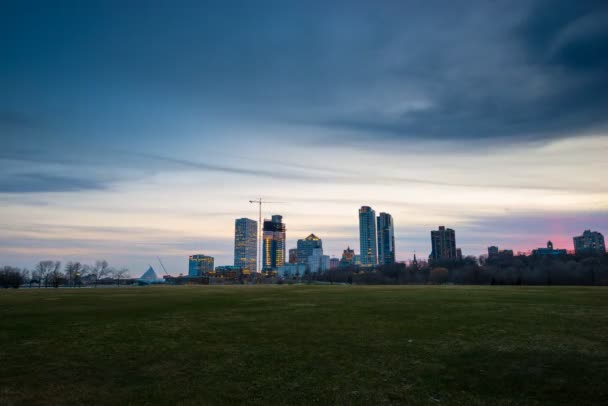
[367,236]
[273,244]
[306,246]
[443,242]
[386,239]
[245,243]
[591,242]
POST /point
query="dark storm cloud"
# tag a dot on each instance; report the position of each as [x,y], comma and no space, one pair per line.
[543,77]
[502,71]
[572,34]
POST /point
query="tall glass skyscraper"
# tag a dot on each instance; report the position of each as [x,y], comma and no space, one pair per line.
[245,243]
[386,239]
[273,244]
[367,236]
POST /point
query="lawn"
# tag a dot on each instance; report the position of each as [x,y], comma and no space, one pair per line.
[304,345]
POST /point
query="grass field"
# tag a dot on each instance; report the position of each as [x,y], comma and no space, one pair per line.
[304,345]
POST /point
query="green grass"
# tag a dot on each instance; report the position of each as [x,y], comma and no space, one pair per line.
[304,345]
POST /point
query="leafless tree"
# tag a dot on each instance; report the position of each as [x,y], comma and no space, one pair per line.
[119,274]
[26,276]
[55,275]
[73,271]
[99,270]
[43,269]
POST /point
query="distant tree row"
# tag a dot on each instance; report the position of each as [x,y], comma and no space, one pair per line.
[516,270]
[51,274]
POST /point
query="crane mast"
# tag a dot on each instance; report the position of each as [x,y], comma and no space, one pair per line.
[259,202]
[161,264]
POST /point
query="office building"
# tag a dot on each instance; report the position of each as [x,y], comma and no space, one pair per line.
[367,236]
[590,243]
[273,243]
[386,239]
[494,252]
[306,247]
[443,243]
[334,263]
[317,262]
[291,270]
[229,272]
[348,257]
[245,244]
[200,265]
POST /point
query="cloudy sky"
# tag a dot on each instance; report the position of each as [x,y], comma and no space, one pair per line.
[134,129]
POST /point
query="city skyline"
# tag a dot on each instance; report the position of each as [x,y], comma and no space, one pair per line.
[309,251]
[132,132]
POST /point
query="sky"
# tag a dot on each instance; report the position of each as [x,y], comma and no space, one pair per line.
[131,130]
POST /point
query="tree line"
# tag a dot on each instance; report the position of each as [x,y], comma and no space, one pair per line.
[501,270]
[52,274]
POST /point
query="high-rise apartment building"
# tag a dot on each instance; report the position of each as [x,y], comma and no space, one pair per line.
[590,243]
[443,242]
[386,239]
[273,243]
[306,247]
[245,244]
[200,265]
[367,236]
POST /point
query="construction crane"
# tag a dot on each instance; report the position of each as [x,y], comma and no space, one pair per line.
[161,264]
[259,202]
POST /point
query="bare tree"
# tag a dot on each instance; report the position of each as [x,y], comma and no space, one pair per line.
[99,270]
[55,275]
[73,272]
[43,269]
[26,276]
[119,274]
